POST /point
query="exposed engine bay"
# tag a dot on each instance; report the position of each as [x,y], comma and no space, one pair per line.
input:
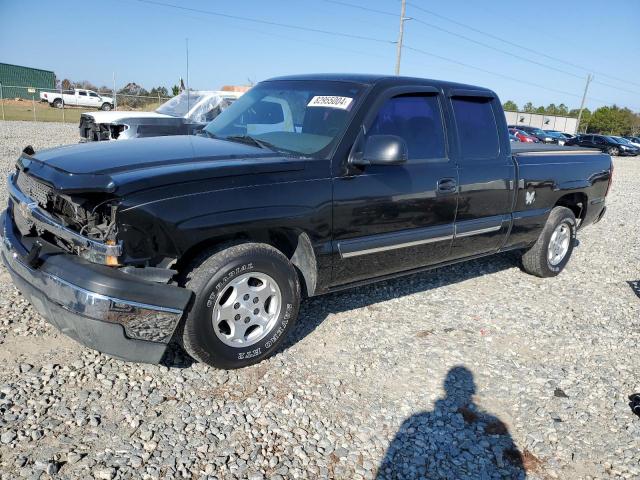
[91,215]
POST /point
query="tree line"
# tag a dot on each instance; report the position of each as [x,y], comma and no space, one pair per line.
[610,120]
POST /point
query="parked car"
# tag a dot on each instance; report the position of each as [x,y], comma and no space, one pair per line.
[513,138]
[523,136]
[77,98]
[565,135]
[535,132]
[625,142]
[635,141]
[305,185]
[183,114]
[604,143]
[557,137]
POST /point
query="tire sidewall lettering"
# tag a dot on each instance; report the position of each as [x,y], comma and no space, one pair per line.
[287,315]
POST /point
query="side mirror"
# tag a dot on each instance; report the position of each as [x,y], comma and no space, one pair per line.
[383,150]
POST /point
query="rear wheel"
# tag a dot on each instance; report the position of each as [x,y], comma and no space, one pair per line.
[57,103]
[247,299]
[551,252]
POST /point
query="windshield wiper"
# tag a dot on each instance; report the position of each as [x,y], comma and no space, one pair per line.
[209,134]
[249,140]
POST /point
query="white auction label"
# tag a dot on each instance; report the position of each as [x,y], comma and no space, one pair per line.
[342,103]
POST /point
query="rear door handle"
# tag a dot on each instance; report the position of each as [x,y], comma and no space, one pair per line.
[447,185]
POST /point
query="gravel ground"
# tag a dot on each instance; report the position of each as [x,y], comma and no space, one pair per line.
[471,371]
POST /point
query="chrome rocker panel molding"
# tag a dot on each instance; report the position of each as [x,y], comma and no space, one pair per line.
[420,236]
[42,220]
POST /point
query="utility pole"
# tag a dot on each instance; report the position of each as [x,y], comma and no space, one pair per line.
[188,106]
[400,34]
[584,98]
[115,98]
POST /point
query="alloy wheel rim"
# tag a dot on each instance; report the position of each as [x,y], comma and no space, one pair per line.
[559,244]
[247,309]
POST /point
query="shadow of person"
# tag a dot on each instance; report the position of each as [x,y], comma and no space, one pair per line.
[454,441]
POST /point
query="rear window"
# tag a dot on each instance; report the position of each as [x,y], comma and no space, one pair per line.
[477,129]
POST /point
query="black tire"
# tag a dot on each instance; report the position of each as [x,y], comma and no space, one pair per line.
[535,260]
[106,107]
[613,151]
[208,277]
[57,103]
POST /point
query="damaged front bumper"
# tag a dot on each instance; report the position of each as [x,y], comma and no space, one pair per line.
[100,307]
[33,213]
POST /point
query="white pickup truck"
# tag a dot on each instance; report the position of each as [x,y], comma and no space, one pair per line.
[77,98]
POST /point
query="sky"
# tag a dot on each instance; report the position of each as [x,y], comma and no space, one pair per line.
[539,52]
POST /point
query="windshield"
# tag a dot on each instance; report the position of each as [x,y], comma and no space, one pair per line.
[299,117]
[615,140]
[179,105]
[538,131]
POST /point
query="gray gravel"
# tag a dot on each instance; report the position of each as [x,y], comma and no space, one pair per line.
[471,371]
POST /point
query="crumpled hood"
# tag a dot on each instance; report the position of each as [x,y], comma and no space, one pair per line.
[149,162]
[122,116]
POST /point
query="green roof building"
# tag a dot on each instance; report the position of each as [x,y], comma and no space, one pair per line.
[12,76]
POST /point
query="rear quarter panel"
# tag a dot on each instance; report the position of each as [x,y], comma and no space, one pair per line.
[544,178]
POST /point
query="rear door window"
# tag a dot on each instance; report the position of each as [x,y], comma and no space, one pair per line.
[477,128]
[415,118]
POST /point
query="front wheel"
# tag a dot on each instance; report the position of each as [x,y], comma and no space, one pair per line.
[106,107]
[246,302]
[551,252]
[613,151]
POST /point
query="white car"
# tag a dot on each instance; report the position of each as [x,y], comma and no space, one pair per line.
[77,98]
[183,114]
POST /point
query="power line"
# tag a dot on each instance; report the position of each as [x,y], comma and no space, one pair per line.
[361,7]
[294,38]
[490,72]
[477,42]
[502,75]
[496,37]
[359,37]
[266,22]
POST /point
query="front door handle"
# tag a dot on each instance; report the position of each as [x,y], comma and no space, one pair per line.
[447,185]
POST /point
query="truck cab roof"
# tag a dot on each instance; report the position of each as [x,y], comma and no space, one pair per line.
[375,79]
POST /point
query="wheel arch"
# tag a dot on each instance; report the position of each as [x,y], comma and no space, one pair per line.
[293,243]
[577,202]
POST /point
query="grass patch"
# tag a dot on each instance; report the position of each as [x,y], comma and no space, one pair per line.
[23,110]
[16,110]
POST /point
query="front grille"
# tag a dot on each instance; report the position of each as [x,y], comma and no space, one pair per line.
[33,189]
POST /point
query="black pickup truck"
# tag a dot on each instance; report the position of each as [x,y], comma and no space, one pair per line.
[303,186]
